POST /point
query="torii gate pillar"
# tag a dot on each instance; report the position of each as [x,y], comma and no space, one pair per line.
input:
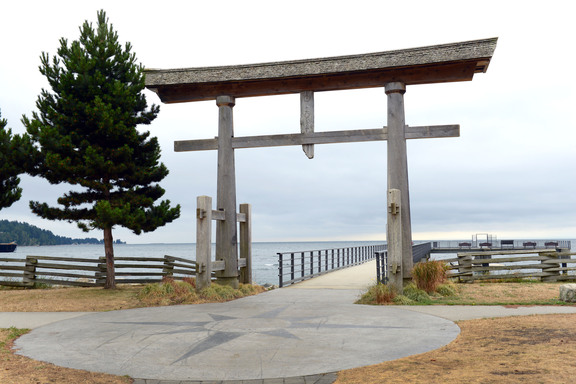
[398,168]
[226,232]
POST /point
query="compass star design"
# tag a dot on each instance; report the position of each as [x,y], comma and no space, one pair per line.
[222,329]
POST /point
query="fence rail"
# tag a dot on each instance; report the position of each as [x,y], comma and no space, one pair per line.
[68,271]
[298,266]
[543,264]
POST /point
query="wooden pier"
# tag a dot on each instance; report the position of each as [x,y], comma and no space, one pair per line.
[499,245]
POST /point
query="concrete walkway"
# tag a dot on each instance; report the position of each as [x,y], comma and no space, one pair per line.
[300,334]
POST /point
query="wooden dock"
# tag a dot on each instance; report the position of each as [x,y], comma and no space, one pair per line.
[499,245]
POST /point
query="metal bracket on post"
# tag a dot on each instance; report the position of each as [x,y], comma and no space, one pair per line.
[393,208]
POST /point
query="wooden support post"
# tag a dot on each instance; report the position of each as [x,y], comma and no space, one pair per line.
[168,269]
[203,242]
[550,266]
[29,277]
[307,119]
[394,240]
[226,230]
[465,267]
[398,167]
[246,243]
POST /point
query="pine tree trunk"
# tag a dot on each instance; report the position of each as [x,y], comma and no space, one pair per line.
[109,252]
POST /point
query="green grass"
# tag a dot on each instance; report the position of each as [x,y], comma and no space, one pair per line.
[13,333]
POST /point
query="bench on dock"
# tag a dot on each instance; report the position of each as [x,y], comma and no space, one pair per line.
[465,245]
[489,245]
[551,244]
[528,244]
[507,243]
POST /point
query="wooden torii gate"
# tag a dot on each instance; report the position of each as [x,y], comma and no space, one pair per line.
[392,70]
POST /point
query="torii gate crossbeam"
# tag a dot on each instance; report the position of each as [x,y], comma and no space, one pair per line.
[393,70]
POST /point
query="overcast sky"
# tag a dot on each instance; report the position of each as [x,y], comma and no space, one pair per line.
[511,173]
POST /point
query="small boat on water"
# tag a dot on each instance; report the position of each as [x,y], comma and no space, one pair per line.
[8,247]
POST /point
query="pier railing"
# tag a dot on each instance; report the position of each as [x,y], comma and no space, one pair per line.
[449,246]
[301,265]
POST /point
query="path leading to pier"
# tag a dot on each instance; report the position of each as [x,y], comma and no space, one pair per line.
[301,334]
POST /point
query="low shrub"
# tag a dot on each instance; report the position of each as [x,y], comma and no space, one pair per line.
[429,275]
[447,289]
[168,292]
[378,294]
[171,292]
[417,295]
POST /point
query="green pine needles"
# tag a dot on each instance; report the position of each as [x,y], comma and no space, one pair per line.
[85,134]
[13,157]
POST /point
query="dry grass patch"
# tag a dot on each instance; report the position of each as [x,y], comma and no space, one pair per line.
[525,293]
[531,349]
[69,299]
[16,369]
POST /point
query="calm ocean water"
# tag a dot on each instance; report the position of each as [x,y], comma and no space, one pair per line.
[264,255]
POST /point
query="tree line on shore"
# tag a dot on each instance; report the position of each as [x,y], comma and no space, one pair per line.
[27,234]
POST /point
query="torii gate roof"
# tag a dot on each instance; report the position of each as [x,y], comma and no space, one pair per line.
[424,65]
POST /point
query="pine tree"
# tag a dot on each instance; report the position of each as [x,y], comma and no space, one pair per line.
[13,157]
[85,134]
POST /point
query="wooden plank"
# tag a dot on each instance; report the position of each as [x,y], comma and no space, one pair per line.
[67,267]
[143,259]
[187,272]
[139,266]
[331,137]
[13,268]
[181,259]
[8,274]
[64,259]
[65,282]
[500,252]
[218,265]
[307,119]
[510,259]
[184,265]
[139,274]
[507,267]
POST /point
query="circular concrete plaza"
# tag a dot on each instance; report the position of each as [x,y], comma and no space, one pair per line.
[277,334]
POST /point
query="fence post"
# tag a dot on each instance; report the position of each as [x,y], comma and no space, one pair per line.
[100,276]
[168,270]
[465,267]
[246,244]
[394,239]
[550,266]
[203,242]
[29,277]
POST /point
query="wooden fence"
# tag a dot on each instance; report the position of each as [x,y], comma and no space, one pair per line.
[68,271]
[542,264]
